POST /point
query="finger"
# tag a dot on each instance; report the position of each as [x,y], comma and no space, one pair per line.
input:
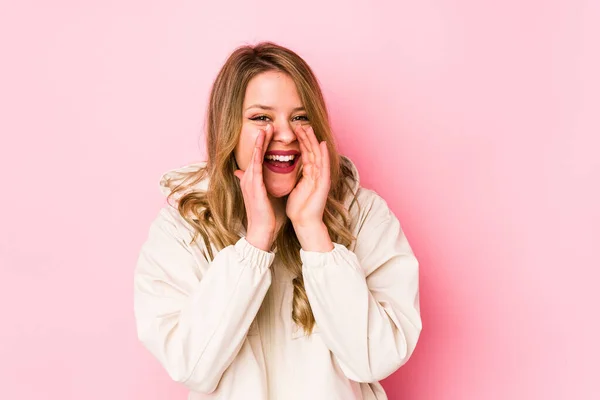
[303,146]
[306,142]
[325,165]
[258,154]
[306,168]
[267,139]
[314,145]
[307,156]
[250,168]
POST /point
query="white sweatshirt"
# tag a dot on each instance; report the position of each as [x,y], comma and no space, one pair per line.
[224,328]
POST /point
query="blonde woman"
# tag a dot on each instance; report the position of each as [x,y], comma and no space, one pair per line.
[270,273]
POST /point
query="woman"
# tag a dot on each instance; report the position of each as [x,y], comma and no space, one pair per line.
[303,285]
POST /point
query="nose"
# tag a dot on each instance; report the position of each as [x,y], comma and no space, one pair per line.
[283,132]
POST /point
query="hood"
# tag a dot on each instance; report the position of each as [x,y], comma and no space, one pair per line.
[174,177]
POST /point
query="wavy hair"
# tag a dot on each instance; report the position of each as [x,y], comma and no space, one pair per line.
[218,213]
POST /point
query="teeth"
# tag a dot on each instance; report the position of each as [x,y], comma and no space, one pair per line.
[280,158]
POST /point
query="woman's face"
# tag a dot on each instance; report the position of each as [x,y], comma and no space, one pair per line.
[272,98]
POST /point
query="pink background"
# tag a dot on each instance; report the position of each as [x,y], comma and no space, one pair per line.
[477,121]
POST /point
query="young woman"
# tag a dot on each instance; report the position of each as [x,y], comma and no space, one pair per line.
[270,273]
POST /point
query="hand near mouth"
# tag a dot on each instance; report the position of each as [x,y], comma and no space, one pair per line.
[259,211]
[306,203]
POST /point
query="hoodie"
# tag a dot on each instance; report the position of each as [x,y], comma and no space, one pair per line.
[223,328]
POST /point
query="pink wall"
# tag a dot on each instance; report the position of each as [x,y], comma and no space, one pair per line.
[477,121]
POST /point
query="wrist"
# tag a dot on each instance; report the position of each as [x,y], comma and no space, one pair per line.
[261,240]
[314,237]
[309,225]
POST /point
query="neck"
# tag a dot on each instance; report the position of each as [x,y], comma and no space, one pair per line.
[278,205]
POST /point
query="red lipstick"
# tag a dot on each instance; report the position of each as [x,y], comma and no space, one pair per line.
[281,167]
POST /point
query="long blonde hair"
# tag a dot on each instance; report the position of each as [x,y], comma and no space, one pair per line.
[218,213]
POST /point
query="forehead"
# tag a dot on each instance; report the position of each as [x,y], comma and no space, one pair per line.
[272,88]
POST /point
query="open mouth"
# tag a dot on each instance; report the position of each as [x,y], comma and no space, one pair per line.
[281,164]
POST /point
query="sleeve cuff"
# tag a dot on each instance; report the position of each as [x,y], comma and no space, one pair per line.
[339,255]
[253,255]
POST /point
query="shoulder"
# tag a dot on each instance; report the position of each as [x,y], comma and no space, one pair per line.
[171,243]
[170,225]
[370,209]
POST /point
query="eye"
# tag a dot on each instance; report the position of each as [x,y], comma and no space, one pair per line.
[300,118]
[260,118]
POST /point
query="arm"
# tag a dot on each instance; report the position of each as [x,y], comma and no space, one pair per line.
[194,323]
[366,302]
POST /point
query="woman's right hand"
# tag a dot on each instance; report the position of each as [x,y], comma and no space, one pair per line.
[259,212]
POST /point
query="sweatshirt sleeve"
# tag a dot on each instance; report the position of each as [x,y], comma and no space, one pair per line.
[195,322]
[366,301]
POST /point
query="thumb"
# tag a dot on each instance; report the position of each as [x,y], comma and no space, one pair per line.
[239,173]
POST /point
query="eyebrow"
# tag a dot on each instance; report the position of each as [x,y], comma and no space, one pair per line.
[271,108]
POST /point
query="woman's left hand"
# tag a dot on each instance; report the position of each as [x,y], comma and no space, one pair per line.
[306,202]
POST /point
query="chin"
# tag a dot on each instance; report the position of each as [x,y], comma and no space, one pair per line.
[279,192]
